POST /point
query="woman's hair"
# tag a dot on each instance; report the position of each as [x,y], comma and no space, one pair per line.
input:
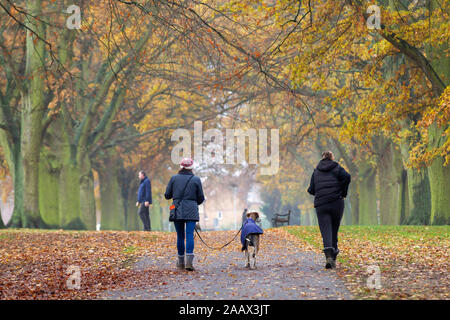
[184,170]
[328,155]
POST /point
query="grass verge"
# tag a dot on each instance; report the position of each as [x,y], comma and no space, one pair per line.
[413,260]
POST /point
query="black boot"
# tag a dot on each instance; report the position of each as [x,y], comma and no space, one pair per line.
[330,263]
[335,253]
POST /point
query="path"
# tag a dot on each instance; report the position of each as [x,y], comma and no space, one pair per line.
[285,270]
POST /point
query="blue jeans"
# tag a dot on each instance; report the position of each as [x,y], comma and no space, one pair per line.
[179,226]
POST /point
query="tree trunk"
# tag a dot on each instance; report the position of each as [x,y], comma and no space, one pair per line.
[111,199]
[48,192]
[16,168]
[87,197]
[347,218]
[354,200]
[313,217]
[155,215]
[32,114]
[403,201]
[418,194]
[2,225]
[10,143]
[367,195]
[133,220]
[419,197]
[389,177]
[129,185]
[439,176]
[69,192]
[30,157]
[307,218]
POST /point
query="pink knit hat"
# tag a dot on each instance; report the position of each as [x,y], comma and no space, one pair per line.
[187,163]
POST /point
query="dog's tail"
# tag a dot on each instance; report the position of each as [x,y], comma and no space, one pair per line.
[247,242]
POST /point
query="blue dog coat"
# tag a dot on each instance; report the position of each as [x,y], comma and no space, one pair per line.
[249,227]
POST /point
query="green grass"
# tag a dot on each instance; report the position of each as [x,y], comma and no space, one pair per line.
[152,237]
[5,235]
[16,230]
[385,235]
[130,249]
[413,260]
[402,239]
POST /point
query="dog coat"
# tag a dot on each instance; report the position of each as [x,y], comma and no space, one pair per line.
[249,227]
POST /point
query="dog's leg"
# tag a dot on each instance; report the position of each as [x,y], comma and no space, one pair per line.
[255,249]
[253,261]
[247,263]
[247,255]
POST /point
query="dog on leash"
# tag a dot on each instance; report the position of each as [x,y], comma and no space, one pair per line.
[250,239]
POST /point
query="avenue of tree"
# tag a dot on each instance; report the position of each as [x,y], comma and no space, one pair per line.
[82,110]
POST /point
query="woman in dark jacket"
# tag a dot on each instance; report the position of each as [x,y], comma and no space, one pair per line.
[329,186]
[186,204]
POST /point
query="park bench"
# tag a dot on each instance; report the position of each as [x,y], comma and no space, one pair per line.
[279,219]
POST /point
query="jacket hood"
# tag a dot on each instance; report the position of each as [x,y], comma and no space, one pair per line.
[326,165]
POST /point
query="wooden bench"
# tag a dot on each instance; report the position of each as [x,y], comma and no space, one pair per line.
[279,219]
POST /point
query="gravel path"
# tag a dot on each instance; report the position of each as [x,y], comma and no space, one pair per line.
[285,270]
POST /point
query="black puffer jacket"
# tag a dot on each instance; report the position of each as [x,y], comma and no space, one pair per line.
[329,182]
[193,196]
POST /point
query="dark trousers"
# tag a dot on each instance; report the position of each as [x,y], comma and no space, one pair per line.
[329,217]
[144,213]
